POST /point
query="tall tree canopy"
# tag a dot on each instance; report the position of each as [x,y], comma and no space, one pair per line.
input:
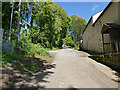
[53,22]
[47,23]
[6,16]
[78,25]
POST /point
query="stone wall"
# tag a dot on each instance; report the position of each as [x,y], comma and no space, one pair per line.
[112,59]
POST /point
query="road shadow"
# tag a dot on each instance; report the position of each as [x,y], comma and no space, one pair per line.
[118,75]
[16,77]
[118,80]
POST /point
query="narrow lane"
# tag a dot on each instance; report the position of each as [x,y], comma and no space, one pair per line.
[74,71]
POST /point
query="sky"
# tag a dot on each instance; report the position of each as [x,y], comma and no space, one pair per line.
[83,9]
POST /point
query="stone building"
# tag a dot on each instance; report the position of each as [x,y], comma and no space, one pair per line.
[102,33]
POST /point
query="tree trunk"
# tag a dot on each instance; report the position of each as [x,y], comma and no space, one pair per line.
[11,21]
[18,21]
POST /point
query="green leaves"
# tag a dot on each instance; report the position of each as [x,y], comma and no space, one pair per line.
[68,40]
[78,25]
[51,19]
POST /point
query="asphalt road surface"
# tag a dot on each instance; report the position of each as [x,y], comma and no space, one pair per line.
[73,69]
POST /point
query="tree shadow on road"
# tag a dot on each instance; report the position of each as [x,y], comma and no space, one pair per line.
[15,77]
[118,75]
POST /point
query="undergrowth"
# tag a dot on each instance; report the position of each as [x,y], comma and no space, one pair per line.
[23,55]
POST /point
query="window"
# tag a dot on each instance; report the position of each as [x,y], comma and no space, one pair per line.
[101,44]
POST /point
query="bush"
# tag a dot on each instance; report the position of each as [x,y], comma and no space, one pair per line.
[36,49]
[68,41]
[77,47]
[17,51]
[9,57]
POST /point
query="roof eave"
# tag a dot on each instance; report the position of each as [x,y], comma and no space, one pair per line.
[87,24]
[102,12]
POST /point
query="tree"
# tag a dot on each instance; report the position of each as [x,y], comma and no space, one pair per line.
[68,40]
[6,21]
[78,25]
[19,10]
[34,33]
[6,15]
[11,21]
[48,22]
[53,22]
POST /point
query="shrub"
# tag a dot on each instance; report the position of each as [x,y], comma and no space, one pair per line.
[11,52]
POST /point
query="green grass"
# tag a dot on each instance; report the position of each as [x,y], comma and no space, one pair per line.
[77,48]
[53,48]
[30,50]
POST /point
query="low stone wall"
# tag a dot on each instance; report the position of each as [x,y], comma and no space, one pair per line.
[111,59]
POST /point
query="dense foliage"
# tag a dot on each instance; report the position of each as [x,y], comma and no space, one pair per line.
[36,26]
[78,25]
[53,22]
[68,40]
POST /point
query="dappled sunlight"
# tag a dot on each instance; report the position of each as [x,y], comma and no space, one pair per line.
[19,78]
